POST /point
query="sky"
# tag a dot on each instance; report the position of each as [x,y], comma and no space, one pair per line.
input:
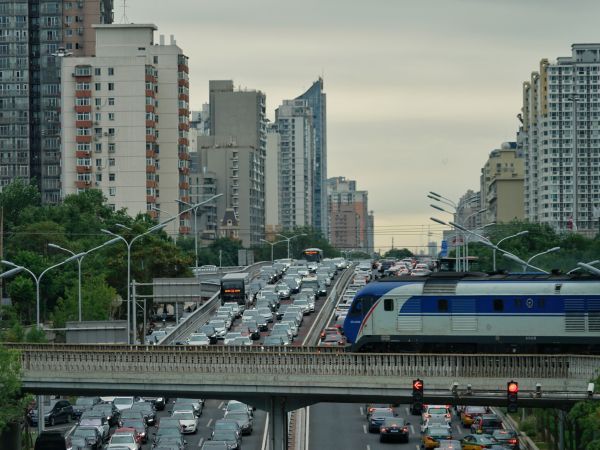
[418,91]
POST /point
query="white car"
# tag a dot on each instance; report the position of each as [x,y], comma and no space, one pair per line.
[120,440]
[198,339]
[187,420]
[123,403]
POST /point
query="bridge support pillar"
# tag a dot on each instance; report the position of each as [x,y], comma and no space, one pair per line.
[278,431]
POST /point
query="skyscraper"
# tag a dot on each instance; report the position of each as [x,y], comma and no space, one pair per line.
[112,137]
[36,35]
[317,101]
[561,142]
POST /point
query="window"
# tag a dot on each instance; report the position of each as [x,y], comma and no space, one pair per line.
[111,71]
[442,305]
[111,177]
[97,71]
[98,147]
[388,304]
[111,131]
[111,116]
[98,101]
[98,177]
[155,60]
[112,191]
[98,162]
[98,86]
[111,101]
[111,86]
[498,305]
[111,148]
[98,117]
[111,162]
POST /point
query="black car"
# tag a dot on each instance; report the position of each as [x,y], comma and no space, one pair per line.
[377,418]
[487,424]
[508,438]
[58,411]
[147,411]
[50,440]
[87,438]
[109,411]
[158,402]
[393,429]
[83,404]
[227,436]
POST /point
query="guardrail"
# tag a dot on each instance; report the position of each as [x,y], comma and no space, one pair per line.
[299,361]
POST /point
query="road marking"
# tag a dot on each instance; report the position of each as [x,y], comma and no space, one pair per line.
[458,429]
[362,413]
[365,429]
[265,433]
[68,433]
[307,424]
[412,429]
[221,405]
[407,411]
[208,423]
[201,442]
[417,447]
[368,447]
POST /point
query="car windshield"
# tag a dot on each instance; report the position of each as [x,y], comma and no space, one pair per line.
[123,401]
[436,411]
[393,422]
[84,432]
[237,416]
[122,439]
[132,423]
[504,434]
[223,435]
[183,415]
[84,401]
[437,431]
[382,414]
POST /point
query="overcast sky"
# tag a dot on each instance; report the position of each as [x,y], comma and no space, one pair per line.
[418,92]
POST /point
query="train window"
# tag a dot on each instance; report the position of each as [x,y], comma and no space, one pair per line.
[357,306]
[442,305]
[498,305]
[388,304]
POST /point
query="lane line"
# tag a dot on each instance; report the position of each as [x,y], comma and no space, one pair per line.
[208,423]
[368,447]
[412,429]
[200,442]
[407,411]
[306,437]
[362,413]
[365,429]
[417,447]
[459,429]
[221,405]
[265,433]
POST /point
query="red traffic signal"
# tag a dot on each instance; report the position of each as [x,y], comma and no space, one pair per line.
[418,385]
[512,387]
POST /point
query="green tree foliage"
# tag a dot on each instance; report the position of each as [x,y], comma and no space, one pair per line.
[16,199]
[13,404]
[22,293]
[398,253]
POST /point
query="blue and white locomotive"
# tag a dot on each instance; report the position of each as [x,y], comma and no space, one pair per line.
[454,312]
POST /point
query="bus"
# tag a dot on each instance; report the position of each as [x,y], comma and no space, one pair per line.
[313,254]
[234,288]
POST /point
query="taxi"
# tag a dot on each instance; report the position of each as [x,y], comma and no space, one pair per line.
[478,442]
[436,410]
[433,435]
[469,413]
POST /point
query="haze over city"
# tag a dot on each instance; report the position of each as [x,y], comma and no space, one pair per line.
[418,93]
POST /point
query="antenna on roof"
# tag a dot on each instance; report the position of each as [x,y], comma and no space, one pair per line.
[124,18]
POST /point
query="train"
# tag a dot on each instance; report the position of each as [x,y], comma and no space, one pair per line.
[449,312]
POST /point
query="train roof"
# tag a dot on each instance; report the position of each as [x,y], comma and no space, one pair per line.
[445,277]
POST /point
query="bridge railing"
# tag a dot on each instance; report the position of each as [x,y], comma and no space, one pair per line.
[299,361]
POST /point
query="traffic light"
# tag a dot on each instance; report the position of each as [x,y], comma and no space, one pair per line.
[417,397]
[512,396]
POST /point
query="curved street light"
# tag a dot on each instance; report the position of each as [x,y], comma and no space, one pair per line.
[520,233]
[288,239]
[550,250]
[272,244]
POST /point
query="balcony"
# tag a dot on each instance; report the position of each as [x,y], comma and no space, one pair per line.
[150,124]
[150,199]
[82,184]
[184,127]
[83,154]
[83,108]
[150,138]
[184,185]
[149,108]
[83,123]
[150,169]
[150,93]
[83,93]
[84,169]
[151,184]
[182,82]
[83,139]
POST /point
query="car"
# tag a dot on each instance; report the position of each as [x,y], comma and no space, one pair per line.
[231,425]
[50,440]
[127,430]
[168,422]
[468,414]
[252,315]
[58,411]
[377,418]
[507,438]
[158,402]
[432,436]
[430,410]
[284,333]
[220,327]
[244,420]
[214,445]
[147,410]
[303,305]
[210,332]
[127,440]
[370,408]
[329,330]
[123,403]
[436,421]
[283,290]
[333,340]
[235,406]
[188,421]
[170,440]
[198,339]
[231,336]
[138,425]
[478,442]
[292,325]
[227,436]
[109,411]
[87,438]
[197,404]
[486,424]
[394,429]
[83,404]
[266,313]
[273,341]
[251,328]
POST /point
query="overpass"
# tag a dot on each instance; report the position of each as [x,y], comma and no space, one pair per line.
[279,379]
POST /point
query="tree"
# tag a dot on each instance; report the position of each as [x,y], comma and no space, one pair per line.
[398,253]
[13,404]
[22,294]
[15,199]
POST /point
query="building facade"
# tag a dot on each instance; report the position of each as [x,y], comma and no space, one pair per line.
[296,164]
[272,175]
[468,210]
[112,138]
[560,135]
[317,102]
[35,36]
[351,222]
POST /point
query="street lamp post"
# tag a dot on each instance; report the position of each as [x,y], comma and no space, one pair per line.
[194,208]
[79,261]
[38,279]
[467,243]
[520,233]
[550,250]
[288,239]
[272,244]
[129,244]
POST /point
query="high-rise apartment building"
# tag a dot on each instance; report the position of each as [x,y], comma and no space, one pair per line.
[501,185]
[468,211]
[317,101]
[351,223]
[112,138]
[560,136]
[272,225]
[296,162]
[35,36]
[232,158]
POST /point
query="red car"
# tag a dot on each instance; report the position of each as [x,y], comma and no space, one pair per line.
[333,340]
[330,330]
[126,430]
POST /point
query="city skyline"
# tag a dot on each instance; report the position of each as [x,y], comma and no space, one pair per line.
[415,83]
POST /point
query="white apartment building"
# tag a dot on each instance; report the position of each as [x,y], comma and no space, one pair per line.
[560,137]
[296,162]
[272,181]
[125,121]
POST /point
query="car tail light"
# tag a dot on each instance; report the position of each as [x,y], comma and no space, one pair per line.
[513,441]
[468,416]
[383,429]
[448,416]
[405,429]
